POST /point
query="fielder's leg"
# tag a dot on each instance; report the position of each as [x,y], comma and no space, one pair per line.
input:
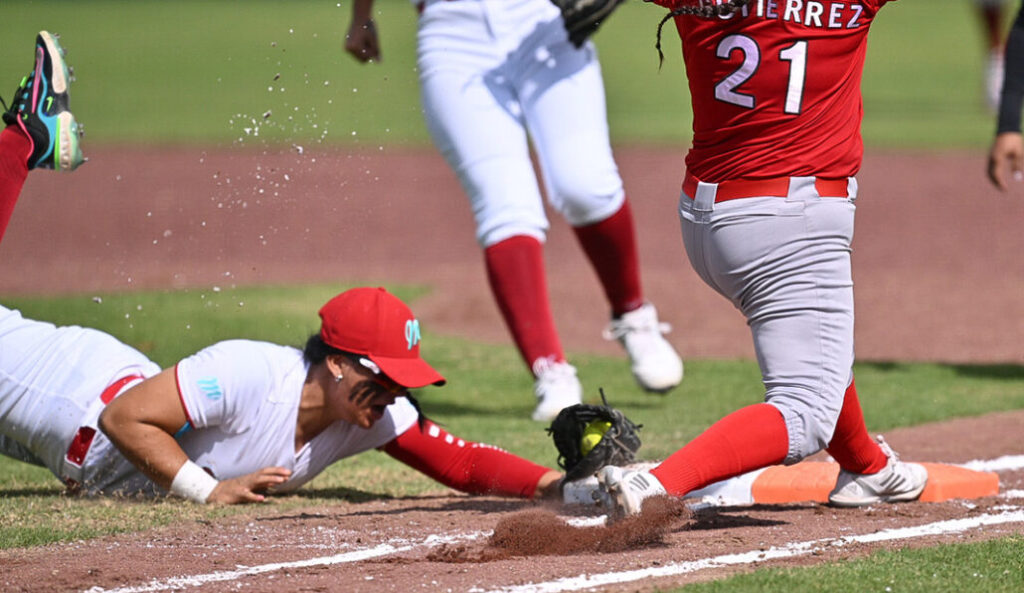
[610,245]
[515,270]
[584,186]
[785,264]
[41,109]
[798,301]
[41,131]
[851,446]
[13,171]
[473,116]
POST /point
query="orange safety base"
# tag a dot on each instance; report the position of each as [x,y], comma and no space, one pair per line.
[813,480]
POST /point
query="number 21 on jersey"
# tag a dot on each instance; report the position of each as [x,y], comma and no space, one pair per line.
[795,54]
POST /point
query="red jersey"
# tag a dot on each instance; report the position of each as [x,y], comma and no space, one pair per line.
[776,89]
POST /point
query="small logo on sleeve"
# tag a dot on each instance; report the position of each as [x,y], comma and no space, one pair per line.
[210,388]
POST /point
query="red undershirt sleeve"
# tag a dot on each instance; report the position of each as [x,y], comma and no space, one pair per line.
[475,468]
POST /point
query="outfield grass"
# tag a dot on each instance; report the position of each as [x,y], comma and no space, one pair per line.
[990,567]
[196,71]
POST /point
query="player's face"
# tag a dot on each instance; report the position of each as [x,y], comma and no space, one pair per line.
[369,395]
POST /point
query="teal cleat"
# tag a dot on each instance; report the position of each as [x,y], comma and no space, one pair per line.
[40,108]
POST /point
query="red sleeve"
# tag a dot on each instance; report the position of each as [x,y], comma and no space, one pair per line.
[475,468]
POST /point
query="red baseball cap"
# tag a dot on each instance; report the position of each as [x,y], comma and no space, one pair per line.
[376,324]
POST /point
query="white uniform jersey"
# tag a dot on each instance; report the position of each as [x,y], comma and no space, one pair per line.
[242,400]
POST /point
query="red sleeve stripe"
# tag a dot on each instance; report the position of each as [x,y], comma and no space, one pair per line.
[181,398]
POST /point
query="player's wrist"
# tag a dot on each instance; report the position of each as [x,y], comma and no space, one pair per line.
[193,483]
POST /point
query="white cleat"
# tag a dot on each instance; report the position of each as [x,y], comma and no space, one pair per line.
[623,491]
[556,388]
[898,481]
[655,363]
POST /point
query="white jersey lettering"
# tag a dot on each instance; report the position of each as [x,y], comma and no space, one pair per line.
[810,13]
[793,8]
[813,16]
[855,20]
[835,15]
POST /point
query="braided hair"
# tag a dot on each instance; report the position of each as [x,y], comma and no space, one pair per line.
[707,11]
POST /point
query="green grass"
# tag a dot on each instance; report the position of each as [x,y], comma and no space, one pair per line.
[995,566]
[194,71]
[167,326]
[197,71]
[487,398]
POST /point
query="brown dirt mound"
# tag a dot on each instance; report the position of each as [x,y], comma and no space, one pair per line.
[541,532]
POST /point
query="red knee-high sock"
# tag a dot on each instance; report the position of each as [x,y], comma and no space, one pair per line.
[610,246]
[750,438]
[13,171]
[515,270]
[851,445]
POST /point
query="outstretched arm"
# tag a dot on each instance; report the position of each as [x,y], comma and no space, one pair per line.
[361,40]
[475,468]
[1006,158]
[141,423]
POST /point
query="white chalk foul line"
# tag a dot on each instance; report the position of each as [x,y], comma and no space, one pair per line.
[1004,463]
[589,581]
[182,582]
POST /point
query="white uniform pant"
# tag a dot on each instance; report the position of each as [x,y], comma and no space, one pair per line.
[784,262]
[497,74]
[51,380]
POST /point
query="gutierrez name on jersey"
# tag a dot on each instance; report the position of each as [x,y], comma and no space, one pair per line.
[824,15]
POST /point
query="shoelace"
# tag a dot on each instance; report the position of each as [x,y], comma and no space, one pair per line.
[886,449]
[620,328]
[11,110]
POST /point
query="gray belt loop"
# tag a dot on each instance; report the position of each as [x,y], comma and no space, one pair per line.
[704,201]
[802,189]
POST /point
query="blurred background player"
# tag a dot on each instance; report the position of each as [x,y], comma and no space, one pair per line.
[494,78]
[1006,157]
[767,217]
[40,130]
[991,14]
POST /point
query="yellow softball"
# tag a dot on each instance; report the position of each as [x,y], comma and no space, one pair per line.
[593,434]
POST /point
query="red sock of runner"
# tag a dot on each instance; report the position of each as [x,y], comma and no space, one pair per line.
[14,145]
[515,270]
[851,445]
[610,246]
[750,438]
